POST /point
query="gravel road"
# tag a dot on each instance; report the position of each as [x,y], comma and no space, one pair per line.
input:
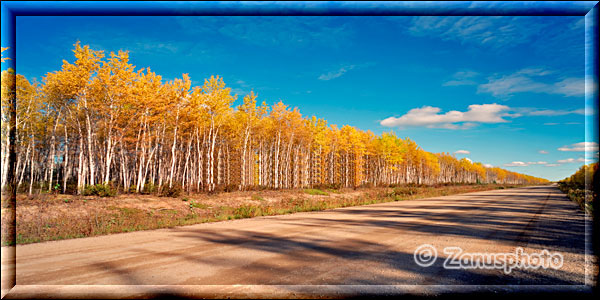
[335,253]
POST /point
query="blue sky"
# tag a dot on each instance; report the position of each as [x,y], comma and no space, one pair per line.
[507,90]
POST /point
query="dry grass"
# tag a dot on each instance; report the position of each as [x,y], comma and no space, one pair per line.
[54,217]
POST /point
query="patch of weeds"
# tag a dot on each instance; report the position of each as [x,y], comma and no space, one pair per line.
[258,198]
[127,211]
[315,192]
[406,191]
[247,211]
[198,205]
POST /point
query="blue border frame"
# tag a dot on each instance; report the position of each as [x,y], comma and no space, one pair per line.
[11,9]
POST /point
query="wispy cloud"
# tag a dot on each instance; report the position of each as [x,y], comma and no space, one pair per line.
[462,152]
[549,112]
[556,164]
[543,152]
[532,79]
[343,69]
[529,80]
[285,32]
[479,30]
[462,78]
[336,73]
[580,147]
[241,87]
[499,32]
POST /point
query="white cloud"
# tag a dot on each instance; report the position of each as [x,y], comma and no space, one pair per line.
[516,164]
[454,126]
[429,116]
[488,166]
[462,152]
[582,147]
[524,164]
[543,152]
[552,165]
[570,160]
[526,80]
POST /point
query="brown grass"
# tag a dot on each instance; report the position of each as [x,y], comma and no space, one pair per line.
[54,217]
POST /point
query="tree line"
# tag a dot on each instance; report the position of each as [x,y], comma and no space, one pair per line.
[99,120]
[582,186]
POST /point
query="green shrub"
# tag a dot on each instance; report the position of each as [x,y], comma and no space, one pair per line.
[131,190]
[102,190]
[149,188]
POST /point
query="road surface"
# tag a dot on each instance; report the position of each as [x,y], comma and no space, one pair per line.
[335,253]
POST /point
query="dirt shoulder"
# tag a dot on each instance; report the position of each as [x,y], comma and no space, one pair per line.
[53,217]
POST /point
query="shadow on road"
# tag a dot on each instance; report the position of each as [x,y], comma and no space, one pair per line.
[507,217]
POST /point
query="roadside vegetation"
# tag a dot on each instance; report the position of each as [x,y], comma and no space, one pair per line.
[104,147]
[99,126]
[582,186]
[47,217]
